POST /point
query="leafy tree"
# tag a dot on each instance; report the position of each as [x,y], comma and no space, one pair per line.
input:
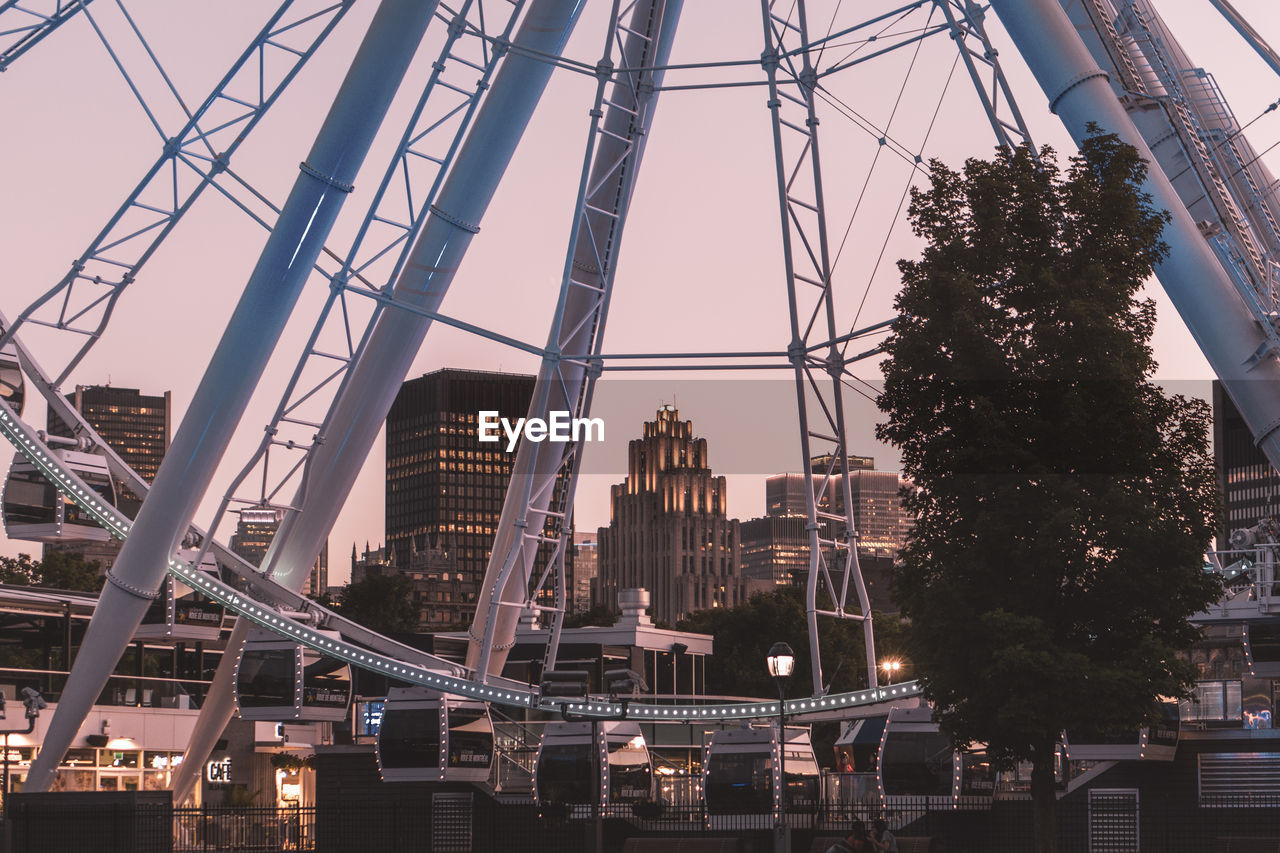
[19,571]
[1062,500]
[59,570]
[69,570]
[381,602]
[743,635]
[600,615]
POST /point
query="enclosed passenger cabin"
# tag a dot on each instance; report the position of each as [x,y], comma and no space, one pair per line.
[427,737]
[603,762]
[12,388]
[1262,648]
[741,782]
[918,765]
[181,613]
[36,511]
[1149,743]
[278,681]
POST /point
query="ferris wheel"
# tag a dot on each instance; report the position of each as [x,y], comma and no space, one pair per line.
[811,70]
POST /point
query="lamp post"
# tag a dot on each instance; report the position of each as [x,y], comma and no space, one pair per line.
[781,662]
[34,703]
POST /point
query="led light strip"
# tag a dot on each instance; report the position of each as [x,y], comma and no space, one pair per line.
[117,525]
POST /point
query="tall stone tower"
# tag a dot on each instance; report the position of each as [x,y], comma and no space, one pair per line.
[669,531]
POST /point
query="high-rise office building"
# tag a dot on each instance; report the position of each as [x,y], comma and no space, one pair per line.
[137,427]
[255,530]
[586,566]
[784,493]
[775,550]
[775,547]
[1250,487]
[670,532]
[878,515]
[445,488]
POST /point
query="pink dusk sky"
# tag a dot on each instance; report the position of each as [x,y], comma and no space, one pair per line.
[700,267]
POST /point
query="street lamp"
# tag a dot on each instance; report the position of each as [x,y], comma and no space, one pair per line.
[891,667]
[781,662]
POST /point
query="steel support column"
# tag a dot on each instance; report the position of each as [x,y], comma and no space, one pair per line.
[544,475]
[241,356]
[358,413]
[813,350]
[1228,334]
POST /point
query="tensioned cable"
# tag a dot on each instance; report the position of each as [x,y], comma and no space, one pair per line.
[875,159]
[831,25]
[905,192]
[864,42]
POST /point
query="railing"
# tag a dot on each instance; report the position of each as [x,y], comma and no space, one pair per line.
[243,830]
[513,771]
[120,690]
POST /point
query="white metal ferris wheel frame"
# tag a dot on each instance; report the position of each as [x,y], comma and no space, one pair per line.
[341,280]
[792,65]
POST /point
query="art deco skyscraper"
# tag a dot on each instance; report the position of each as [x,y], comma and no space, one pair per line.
[670,532]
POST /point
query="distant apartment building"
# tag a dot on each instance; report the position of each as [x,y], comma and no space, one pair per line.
[373,562]
[137,426]
[432,573]
[669,530]
[445,488]
[257,527]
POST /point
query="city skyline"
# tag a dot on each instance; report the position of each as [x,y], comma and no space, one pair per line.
[49,144]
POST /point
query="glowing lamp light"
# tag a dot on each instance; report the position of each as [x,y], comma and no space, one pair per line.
[781,660]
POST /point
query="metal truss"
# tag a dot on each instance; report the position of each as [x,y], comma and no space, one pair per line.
[966,21]
[538,513]
[477,36]
[24,25]
[814,350]
[1184,111]
[83,301]
[373,653]
[1153,69]
[247,580]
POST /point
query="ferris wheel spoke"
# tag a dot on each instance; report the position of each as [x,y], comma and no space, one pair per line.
[26,25]
[406,193]
[82,300]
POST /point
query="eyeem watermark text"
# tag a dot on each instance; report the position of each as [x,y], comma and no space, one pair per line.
[559,426]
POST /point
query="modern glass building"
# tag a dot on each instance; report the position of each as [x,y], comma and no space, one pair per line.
[445,488]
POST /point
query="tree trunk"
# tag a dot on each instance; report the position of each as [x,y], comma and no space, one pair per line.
[1044,798]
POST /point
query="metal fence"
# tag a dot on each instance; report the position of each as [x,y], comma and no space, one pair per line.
[1094,821]
[243,830]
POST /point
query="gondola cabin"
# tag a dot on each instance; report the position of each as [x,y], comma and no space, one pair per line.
[12,388]
[180,613]
[1262,648]
[427,737]
[279,681]
[1149,743]
[603,762]
[36,511]
[919,765]
[740,777]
